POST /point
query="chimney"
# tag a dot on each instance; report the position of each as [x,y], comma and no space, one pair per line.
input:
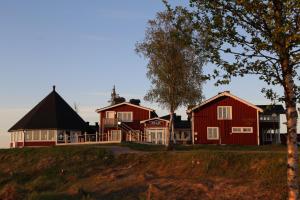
[135,101]
[226,91]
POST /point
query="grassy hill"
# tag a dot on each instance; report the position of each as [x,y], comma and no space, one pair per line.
[95,172]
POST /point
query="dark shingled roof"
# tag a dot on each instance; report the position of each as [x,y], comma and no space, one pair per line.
[53,112]
[270,109]
[178,123]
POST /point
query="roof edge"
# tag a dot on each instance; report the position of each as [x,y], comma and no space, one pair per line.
[228,94]
[123,103]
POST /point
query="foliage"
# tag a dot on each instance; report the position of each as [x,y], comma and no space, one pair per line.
[251,37]
[174,67]
[260,37]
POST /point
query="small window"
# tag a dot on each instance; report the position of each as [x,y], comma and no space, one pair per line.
[19,136]
[224,112]
[125,116]
[36,135]
[44,134]
[28,135]
[242,130]
[110,114]
[212,133]
[51,135]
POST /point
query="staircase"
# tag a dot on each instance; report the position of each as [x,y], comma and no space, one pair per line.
[131,134]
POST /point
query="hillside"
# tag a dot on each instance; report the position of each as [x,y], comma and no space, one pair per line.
[94,172]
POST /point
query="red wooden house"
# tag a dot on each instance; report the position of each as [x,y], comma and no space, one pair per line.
[225,119]
[122,121]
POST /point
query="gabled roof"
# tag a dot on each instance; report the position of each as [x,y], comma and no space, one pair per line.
[178,123]
[155,118]
[120,104]
[51,113]
[228,94]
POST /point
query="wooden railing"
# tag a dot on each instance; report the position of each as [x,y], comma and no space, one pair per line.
[110,122]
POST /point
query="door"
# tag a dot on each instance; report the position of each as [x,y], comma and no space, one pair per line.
[159,137]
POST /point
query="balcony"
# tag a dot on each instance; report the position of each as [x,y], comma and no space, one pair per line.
[110,122]
[269,119]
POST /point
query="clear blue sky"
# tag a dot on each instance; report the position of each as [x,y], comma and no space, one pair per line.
[84,48]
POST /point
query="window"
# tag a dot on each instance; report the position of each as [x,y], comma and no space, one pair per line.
[212,133]
[224,112]
[36,135]
[242,130]
[125,116]
[28,135]
[19,136]
[44,134]
[110,114]
[115,135]
[51,135]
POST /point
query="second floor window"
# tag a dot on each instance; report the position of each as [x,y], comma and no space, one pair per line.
[125,116]
[224,112]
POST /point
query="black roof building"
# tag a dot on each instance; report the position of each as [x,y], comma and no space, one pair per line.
[53,112]
[178,123]
[270,109]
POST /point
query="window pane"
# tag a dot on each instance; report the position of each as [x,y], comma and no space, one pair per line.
[224,113]
[44,134]
[36,135]
[247,130]
[220,112]
[51,135]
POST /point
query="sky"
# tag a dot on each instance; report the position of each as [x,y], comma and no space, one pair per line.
[84,48]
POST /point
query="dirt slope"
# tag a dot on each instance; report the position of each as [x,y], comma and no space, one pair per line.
[95,173]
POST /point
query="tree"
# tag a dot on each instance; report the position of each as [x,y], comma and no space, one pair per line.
[260,37]
[174,67]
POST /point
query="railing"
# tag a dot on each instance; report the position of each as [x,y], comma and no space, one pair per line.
[110,122]
[90,139]
[113,137]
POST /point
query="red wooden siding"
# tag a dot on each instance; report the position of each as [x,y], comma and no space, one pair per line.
[139,115]
[34,144]
[242,116]
[39,144]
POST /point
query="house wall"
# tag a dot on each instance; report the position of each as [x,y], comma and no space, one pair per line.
[139,115]
[242,116]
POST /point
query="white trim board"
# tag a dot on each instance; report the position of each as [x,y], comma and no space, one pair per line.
[228,95]
[156,118]
[124,103]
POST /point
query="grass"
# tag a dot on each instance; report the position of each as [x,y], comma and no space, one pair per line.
[153,148]
[91,172]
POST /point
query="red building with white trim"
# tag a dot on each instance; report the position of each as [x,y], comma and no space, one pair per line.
[156,130]
[225,119]
[124,119]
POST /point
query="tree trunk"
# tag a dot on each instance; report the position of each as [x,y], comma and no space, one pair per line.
[292,148]
[171,132]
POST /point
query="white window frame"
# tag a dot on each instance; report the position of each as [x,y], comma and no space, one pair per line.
[107,115]
[126,120]
[218,134]
[39,134]
[45,139]
[220,115]
[49,138]
[29,132]
[241,130]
